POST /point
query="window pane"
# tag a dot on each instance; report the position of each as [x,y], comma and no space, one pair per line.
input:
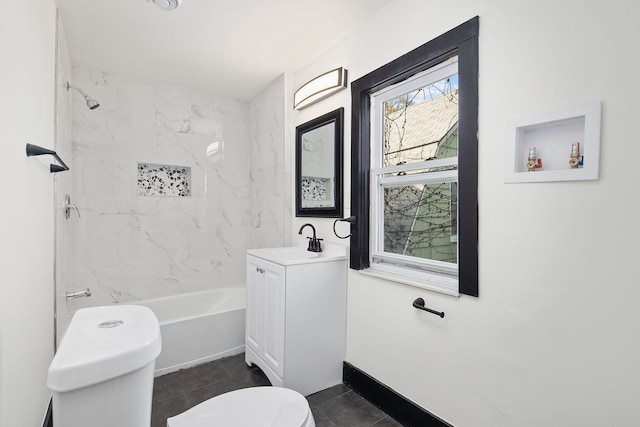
[422,124]
[421,221]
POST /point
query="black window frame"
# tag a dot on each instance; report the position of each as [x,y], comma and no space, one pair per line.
[461,41]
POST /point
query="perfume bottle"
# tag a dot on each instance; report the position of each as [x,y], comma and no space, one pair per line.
[531,159]
[574,157]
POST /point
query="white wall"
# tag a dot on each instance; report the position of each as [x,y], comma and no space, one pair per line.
[553,338]
[27,48]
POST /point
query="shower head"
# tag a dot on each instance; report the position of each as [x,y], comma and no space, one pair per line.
[91,103]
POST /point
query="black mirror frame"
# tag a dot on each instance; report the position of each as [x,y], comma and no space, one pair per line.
[337,117]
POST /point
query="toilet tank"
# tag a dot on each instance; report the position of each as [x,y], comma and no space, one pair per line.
[102,373]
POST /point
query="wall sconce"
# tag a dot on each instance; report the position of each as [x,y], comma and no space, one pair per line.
[320,87]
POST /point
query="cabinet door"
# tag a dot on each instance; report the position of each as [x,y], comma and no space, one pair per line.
[272,301]
[254,307]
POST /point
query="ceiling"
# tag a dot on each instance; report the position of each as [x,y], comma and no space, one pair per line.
[232,48]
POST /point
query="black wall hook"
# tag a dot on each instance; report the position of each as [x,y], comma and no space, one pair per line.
[35,150]
[419,303]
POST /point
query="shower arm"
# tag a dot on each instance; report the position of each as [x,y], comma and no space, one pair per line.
[83,93]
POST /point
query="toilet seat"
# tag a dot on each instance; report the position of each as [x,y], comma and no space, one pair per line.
[249,407]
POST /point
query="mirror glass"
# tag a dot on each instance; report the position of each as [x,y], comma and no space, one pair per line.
[319,166]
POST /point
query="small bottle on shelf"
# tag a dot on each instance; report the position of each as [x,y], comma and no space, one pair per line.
[531,160]
[574,157]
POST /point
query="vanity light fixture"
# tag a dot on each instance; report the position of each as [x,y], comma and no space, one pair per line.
[320,87]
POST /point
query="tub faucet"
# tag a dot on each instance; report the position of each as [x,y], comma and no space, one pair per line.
[314,243]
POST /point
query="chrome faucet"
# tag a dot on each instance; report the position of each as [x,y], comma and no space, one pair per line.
[314,243]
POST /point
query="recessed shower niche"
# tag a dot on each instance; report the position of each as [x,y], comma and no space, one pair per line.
[164,180]
[549,139]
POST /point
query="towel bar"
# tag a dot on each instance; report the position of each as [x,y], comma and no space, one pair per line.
[419,303]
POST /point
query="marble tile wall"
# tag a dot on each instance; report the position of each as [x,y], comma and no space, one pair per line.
[128,247]
[269,174]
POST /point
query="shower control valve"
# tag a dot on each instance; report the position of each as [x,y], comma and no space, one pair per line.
[68,206]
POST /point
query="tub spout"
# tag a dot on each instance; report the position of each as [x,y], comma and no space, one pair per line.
[78,294]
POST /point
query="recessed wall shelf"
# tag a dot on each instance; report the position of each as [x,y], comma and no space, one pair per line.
[552,135]
[164,180]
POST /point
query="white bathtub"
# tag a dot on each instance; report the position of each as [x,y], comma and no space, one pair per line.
[199,327]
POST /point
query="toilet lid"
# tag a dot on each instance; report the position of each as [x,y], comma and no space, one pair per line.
[255,407]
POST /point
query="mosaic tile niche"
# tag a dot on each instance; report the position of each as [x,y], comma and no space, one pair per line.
[317,192]
[164,180]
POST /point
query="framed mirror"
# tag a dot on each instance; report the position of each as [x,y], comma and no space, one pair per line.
[319,166]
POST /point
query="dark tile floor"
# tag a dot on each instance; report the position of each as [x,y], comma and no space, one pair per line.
[176,392]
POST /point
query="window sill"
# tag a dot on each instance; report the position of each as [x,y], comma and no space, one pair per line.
[430,282]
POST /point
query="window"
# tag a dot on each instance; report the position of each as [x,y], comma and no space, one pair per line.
[414,166]
[414,175]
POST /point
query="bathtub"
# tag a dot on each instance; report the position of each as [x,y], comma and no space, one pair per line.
[199,327]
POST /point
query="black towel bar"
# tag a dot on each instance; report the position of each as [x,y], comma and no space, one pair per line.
[419,303]
[35,150]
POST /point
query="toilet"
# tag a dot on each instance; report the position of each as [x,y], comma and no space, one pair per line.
[249,407]
[102,373]
[102,376]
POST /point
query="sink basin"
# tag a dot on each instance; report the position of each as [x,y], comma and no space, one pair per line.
[294,254]
[299,254]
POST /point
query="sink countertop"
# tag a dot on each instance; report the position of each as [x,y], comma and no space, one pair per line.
[294,255]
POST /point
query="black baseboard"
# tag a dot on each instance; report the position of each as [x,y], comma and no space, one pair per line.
[48,419]
[400,408]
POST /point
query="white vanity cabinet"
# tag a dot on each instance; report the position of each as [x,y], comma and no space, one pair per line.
[264,333]
[296,317]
